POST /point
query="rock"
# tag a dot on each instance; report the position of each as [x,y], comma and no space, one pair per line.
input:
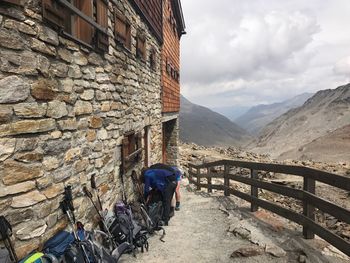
[242,232]
[11,39]
[74,72]
[62,174]
[25,62]
[65,55]
[67,85]
[102,134]
[91,135]
[22,27]
[31,229]
[302,259]
[6,113]
[44,89]
[56,147]
[89,73]
[24,248]
[27,199]
[12,12]
[88,94]
[40,46]
[53,191]
[81,165]
[7,147]
[100,95]
[95,122]
[27,126]
[30,110]
[13,172]
[82,107]
[17,216]
[95,59]
[105,106]
[72,154]
[13,89]
[29,157]
[275,251]
[68,125]
[26,144]
[43,65]
[17,188]
[248,251]
[56,109]
[79,59]
[51,163]
[48,35]
[59,69]
[102,78]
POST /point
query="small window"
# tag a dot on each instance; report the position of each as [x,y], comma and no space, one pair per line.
[122,30]
[141,47]
[152,59]
[85,21]
[131,150]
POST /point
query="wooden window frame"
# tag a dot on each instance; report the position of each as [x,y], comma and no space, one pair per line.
[123,40]
[131,150]
[141,46]
[153,59]
[70,20]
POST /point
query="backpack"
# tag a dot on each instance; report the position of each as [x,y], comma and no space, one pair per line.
[39,257]
[126,229]
[5,228]
[5,255]
[58,244]
[162,166]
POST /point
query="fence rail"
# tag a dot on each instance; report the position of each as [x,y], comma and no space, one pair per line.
[307,196]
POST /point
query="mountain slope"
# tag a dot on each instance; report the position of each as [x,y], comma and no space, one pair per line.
[323,113]
[206,127]
[255,119]
[333,147]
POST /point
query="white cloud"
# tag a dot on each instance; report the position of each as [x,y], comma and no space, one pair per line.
[342,67]
[253,51]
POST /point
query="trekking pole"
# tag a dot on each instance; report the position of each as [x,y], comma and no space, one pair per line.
[93,186]
[110,236]
[5,234]
[123,189]
[68,208]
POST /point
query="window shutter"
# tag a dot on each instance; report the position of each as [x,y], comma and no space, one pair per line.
[82,29]
[125,153]
[102,19]
[139,145]
[53,12]
[122,29]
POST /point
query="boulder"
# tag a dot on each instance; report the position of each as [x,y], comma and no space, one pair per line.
[13,89]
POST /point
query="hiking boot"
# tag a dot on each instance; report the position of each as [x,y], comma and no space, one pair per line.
[177,207]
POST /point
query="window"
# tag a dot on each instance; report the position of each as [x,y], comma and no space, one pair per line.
[141,47]
[152,59]
[131,150]
[85,21]
[122,30]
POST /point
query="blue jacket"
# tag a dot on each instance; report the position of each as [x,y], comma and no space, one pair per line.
[157,179]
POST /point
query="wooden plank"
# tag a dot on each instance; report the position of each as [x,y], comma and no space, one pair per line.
[210,189]
[328,207]
[309,209]
[336,180]
[276,188]
[198,180]
[327,235]
[226,180]
[254,191]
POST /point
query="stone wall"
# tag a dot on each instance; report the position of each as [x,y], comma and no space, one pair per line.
[63,112]
[171,140]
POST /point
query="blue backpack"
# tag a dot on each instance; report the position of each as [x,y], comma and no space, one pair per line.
[59,244]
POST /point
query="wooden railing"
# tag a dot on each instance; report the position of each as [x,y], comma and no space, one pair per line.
[307,195]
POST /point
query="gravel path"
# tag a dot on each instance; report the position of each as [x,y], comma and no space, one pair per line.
[197,233]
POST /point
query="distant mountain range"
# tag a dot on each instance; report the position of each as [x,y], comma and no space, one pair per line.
[316,120]
[255,119]
[206,127]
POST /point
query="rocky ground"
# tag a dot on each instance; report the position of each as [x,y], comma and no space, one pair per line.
[213,228]
[191,153]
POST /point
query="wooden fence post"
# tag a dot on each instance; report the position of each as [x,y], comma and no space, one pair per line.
[254,191]
[226,180]
[209,171]
[308,209]
[198,179]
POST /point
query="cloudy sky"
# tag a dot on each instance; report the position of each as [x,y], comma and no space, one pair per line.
[248,52]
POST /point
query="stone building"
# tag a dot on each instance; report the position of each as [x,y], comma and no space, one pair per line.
[84,89]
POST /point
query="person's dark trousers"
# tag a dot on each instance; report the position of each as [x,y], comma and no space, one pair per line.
[168,196]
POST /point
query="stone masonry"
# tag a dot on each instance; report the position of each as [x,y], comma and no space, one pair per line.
[64,110]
